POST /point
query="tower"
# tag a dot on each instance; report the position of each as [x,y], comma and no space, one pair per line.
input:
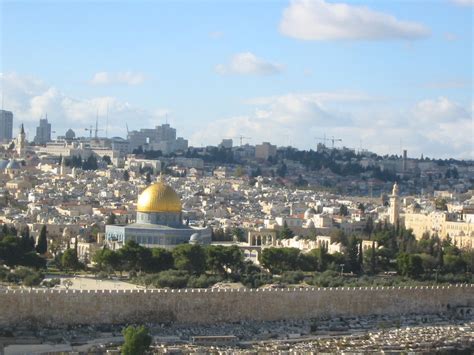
[394,211]
[6,126]
[62,168]
[21,142]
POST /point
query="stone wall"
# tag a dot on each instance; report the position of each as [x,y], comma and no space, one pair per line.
[67,307]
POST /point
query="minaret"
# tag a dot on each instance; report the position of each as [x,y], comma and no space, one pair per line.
[394,211]
[21,142]
[62,169]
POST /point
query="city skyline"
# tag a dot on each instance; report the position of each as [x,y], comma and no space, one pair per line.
[389,76]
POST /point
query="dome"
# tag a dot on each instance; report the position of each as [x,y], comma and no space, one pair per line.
[13,164]
[70,134]
[309,213]
[195,238]
[159,197]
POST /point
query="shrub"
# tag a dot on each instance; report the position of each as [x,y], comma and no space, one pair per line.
[203,281]
[171,278]
[292,277]
[137,340]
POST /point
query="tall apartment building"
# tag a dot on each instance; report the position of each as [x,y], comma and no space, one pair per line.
[43,132]
[6,126]
[265,150]
[160,138]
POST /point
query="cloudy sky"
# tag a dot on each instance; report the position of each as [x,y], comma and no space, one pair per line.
[380,75]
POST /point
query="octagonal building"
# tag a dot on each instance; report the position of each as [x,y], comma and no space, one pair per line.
[159,222]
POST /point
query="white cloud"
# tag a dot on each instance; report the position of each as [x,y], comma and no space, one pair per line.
[435,127]
[463,2]
[440,110]
[124,78]
[30,98]
[321,20]
[275,118]
[248,64]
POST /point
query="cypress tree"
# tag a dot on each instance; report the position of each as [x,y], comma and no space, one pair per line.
[42,245]
[372,259]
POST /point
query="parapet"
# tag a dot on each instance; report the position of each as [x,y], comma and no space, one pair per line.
[233,290]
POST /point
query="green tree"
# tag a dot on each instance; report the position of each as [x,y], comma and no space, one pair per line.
[369,226]
[134,256]
[454,263]
[106,159]
[111,219]
[26,244]
[410,265]
[126,175]
[220,259]
[239,234]
[279,260]
[282,170]
[352,255]
[161,260]
[343,210]
[373,259]
[42,245]
[189,257]
[33,279]
[107,260]
[90,163]
[285,232]
[441,204]
[137,340]
[69,260]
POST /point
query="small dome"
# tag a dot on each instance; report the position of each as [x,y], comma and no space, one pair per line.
[195,238]
[13,164]
[159,197]
[70,134]
[309,213]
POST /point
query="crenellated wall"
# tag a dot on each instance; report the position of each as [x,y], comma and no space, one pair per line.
[67,307]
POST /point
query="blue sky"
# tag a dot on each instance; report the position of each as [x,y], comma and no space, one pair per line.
[374,73]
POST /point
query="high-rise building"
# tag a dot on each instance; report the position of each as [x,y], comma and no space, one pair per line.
[6,126]
[161,138]
[43,132]
[265,150]
[226,143]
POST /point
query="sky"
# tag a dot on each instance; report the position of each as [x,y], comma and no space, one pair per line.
[379,75]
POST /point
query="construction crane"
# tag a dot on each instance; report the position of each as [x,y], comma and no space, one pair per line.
[332,139]
[241,138]
[92,129]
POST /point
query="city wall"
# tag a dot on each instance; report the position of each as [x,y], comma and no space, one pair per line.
[69,307]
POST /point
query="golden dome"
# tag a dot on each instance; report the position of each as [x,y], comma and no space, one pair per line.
[159,197]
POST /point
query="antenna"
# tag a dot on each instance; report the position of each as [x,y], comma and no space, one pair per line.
[96,123]
[107,122]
